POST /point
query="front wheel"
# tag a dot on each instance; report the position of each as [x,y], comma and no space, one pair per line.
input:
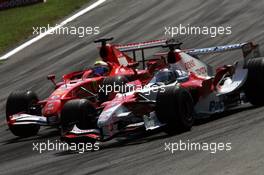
[22,102]
[80,113]
[175,108]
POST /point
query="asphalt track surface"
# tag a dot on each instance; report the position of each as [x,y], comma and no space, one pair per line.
[134,20]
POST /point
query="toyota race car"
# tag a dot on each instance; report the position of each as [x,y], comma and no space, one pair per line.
[25,113]
[172,99]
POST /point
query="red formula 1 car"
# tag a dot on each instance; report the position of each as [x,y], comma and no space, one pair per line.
[172,99]
[25,113]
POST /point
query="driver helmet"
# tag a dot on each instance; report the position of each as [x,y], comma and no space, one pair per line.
[101,68]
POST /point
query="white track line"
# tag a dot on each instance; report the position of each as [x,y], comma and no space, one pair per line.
[26,44]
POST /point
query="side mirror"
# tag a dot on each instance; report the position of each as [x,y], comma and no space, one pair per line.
[52,78]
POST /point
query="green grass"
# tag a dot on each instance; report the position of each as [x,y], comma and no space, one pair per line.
[17,24]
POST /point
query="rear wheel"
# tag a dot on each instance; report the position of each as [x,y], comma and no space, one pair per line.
[25,102]
[175,108]
[254,88]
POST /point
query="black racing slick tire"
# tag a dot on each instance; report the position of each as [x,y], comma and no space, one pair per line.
[175,108]
[17,102]
[79,112]
[110,86]
[254,87]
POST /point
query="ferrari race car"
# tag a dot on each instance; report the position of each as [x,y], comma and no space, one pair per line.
[172,99]
[25,113]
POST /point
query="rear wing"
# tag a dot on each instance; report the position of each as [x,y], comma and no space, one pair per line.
[215,49]
[141,46]
[249,49]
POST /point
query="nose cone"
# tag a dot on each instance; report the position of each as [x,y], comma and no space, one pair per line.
[52,108]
